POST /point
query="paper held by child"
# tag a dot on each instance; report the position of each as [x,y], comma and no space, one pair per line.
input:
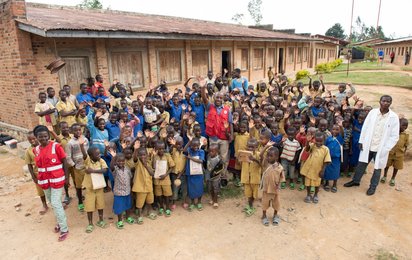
[195,168]
[98,181]
[243,155]
[161,168]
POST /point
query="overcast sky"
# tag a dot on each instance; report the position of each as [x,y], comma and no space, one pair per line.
[306,16]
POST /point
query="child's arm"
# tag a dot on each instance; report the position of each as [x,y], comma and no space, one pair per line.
[90,170]
[46,112]
[194,159]
[31,170]
[322,171]
[114,159]
[149,170]
[262,153]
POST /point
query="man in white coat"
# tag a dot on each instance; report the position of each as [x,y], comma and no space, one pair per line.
[380,132]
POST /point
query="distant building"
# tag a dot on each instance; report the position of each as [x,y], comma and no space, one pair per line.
[398,46]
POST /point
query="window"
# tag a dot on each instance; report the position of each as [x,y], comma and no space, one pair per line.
[257,59]
[403,49]
[271,57]
[200,62]
[299,54]
[170,66]
[291,55]
[127,67]
[305,54]
[244,62]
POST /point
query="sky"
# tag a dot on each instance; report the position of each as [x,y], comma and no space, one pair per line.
[306,16]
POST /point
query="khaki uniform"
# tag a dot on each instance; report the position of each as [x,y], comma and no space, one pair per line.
[94,199]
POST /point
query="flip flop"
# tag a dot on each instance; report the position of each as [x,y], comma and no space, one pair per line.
[130,220]
[119,225]
[89,228]
[265,221]
[315,199]
[275,220]
[292,186]
[246,208]
[168,213]
[199,206]
[334,189]
[139,220]
[191,207]
[283,185]
[308,199]
[161,211]
[301,187]
[80,207]
[101,224]
[312,189]
[326,187]
[383,179]
[152,216]
[349,174]
[63,236]
[299,180]
[173,207]
[250,212]
[185,205]
[392,182]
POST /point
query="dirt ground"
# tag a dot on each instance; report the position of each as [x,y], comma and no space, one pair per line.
[344,225]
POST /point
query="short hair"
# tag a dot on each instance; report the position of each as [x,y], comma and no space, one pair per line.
[273,149]
[237,70]
[49,88]
[42,93]
[385,96]
[266,133]
[75,125]
[40,128]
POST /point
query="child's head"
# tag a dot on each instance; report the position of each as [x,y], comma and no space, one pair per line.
[123,103]
[403,124]
[317,102]
[319,138]
[323,125]
[213,150]
[76,130]
[160,148]
[120,160]
[225,81]
[335,130]
[94,153]
[50,92]
[64,128]
[278,115]
[258,121]
[265,137]
[68,89]
[128,153]
[262,87]
[123,116]
[148,103]
[291,132]
[209,74]
[179,143]
[252,144]
[113,117]
[346,122]
[195,144]
[122,93]
[42,134]
[32,139]
[83,88]
[274,128]
[361,117]
[243,127]
[342,87]
[100,91]
[316,84]
[161,107]
[143,141]
[297,122]
[198,100]
[42,97]
[62,95]
[272,155]
[175,99]
[101,124]
[135,106]
[270,110]
[197,130]
[142,154]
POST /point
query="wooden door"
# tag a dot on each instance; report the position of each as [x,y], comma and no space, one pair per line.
[200,62]
[127,67]
[76,71]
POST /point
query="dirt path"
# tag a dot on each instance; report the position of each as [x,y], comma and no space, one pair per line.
[344,225]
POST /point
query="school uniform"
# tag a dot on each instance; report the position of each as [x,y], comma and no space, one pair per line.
[47,119]
[194,182]
[75,160]
[251,176]
[332,170]
[180,162]
[271,179]
[122,200]
[290,148]
[163,187]
[397,154]
[354,158]
[143,185]
[240,144]
[318,156]
[94,198]
[29,159]
[67,106]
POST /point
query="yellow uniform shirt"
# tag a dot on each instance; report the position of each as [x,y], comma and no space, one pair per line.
[251,171]
[41,107]
[241,142]
[29,159]
[99,165]
[64,140]
[142,181]
[180,161]
[66,107]
[170,164]
[313,165]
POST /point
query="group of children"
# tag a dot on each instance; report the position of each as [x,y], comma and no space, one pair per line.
[152,151]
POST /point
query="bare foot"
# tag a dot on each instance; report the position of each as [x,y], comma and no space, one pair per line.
[43,210]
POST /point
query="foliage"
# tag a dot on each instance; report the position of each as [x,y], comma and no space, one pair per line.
[361,32]
[254,8]
[237,18]
[302,74]
[328,67]
[336,31]
[91,4]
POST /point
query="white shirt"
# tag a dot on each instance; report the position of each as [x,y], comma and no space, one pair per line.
[378,131]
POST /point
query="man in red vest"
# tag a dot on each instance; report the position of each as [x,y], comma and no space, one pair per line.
[219,123]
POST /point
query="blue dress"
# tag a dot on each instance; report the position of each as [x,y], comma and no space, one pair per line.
[194,182]
[354,158]
[332,170]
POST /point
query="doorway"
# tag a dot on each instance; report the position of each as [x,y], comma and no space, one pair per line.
[226,64]
[280,62]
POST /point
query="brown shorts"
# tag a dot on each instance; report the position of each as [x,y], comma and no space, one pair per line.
[94,199]
[268,199]
[312,183]
[39,190]
[78,177]
[142,197]
[251,190]
[163,190]
[396,162]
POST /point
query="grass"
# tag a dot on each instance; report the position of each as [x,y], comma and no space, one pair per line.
[384,255]
[406,68]
[363,66]
[395,79]
[231,192]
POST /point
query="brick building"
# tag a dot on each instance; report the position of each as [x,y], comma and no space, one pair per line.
[130,47]
[398,46]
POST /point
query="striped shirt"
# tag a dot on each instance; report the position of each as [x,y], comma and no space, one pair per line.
[289,149]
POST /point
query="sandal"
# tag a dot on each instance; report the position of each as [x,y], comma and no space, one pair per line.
[283,185]
[63,236]
[139,220]
[67,200]
[80,207]
[292,186]
[334,189]
[312,189]
[168,213]
[152,216]
[215,205]
[199,206]
[57,229]
[308,199]
[275,220]
[349,174]
[130,220]
[299,180]
[392,182]
[191,207]
[185,205]
[250,212]
[119,225]
[161,211]
[326,187]
[89,228]
[265,221]
[383,179]
[102,224]
[173,207]
[315,199]
[301,187]
[246,208]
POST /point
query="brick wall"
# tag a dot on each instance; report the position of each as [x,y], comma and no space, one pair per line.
[399,48]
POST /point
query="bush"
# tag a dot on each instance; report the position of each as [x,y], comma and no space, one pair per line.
[328,67]
[302,74]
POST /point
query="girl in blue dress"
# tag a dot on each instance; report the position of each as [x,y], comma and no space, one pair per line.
[332,170]
[194,179]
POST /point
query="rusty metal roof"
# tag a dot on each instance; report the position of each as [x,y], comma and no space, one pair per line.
[62,21]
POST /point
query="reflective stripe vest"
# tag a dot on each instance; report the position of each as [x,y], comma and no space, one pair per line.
[51,173]
[215,122]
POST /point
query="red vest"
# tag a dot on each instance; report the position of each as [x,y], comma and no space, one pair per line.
[215,122]
[51,173]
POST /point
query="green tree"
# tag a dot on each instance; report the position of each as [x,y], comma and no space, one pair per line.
[254,8]
[237,18]
[91,4]
[336,31]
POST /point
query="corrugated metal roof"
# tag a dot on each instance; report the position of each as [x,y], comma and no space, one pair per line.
[58,18]
[404,39]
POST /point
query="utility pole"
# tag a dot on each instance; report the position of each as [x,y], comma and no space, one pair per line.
[350,39]
[379,13]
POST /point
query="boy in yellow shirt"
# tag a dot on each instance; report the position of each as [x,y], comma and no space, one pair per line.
[67,110]
[178,171]
[241,139]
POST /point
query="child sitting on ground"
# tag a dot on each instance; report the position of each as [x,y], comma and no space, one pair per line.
[213,173]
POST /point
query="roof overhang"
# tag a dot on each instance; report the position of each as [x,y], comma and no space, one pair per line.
[142,35]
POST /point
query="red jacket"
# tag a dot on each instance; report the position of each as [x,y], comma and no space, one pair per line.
[49,162]
[215,122]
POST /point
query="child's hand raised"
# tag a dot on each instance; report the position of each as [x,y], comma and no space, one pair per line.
[184,107]
[82,140]
[171,140]
[140,98]
[98,113]
[309,137]
[284,138]
[163,124]
[147,132]
[136,145]
[204,141]
[112,152]
[302,129]
[121,124]
[287,114]
[106,143]
[251,124]
[50,127]
[270,143]
[312,120]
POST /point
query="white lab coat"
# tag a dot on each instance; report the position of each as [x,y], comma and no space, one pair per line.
[389,138]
